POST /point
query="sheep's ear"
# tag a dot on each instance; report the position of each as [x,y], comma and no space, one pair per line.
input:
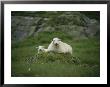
[51,40]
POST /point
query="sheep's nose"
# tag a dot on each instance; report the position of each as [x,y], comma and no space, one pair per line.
[56,44]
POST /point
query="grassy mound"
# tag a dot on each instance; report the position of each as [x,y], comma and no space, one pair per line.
[53,58]
[85,61]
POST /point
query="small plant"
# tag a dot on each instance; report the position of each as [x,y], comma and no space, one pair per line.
[53,57]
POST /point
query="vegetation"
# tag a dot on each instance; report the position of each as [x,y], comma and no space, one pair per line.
[30,29]
[85,61]
[90,14]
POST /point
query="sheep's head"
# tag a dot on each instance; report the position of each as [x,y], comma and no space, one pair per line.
[40,48]
[56,41]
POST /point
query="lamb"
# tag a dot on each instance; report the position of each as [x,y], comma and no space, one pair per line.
[41,49]
[59,47]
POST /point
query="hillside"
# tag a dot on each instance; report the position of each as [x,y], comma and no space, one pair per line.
[81,30]
[75,24]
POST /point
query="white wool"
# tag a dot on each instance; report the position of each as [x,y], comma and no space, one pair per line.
[60,47]
[41,49]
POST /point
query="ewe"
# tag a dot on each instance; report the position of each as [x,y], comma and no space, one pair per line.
[58,46]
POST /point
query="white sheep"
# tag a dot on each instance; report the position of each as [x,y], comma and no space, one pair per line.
[60,47]
[41,49]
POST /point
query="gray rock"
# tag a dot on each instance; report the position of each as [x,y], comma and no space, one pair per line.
[75,24]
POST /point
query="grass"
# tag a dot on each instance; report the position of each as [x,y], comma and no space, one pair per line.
[85,61]
[53,69]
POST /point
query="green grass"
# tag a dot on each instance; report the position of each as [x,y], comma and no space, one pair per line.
[53,69]
[85,61]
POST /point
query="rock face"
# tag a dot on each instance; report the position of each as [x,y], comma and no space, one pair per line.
[23,27]
[75,24]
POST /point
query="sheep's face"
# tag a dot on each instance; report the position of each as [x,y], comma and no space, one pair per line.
[40,48]
[56,41]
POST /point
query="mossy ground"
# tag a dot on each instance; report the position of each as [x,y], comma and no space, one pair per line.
[85,61]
